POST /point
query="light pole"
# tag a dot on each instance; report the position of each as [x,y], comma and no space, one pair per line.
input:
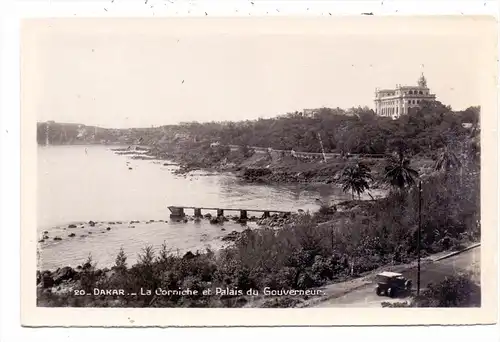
[418,234]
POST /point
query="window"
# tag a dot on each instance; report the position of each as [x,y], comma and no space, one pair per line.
[420,92]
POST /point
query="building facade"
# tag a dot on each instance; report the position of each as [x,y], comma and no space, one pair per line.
[395,102]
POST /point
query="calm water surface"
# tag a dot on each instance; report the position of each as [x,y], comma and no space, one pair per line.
[77,184]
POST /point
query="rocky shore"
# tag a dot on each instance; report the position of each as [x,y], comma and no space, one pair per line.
[83,229]
[65,280]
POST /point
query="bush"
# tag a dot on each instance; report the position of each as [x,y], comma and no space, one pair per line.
[456,291]
[304,254]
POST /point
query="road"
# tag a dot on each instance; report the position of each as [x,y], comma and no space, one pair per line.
[365,296]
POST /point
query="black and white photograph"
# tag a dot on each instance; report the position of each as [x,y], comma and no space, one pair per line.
[258,164]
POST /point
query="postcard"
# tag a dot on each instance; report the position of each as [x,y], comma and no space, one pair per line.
[259,171]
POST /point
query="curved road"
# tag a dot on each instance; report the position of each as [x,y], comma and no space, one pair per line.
[434,272]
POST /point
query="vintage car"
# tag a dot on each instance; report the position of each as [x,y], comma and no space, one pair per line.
[391,284]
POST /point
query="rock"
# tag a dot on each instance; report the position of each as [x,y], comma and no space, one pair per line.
[113,222]
[233,236]
[42,240]
[47,281]
[87,265]
[151,220]
[72,235]
[129,227]
[119,222]
[72,226]
[83,235]
[92,223]
[90,233]
[109,228]
[45,232]
[185,220]
[188,256]
[65,273]
[161,221]
[223,229]
[57,238]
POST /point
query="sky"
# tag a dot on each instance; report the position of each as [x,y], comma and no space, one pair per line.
[124,73]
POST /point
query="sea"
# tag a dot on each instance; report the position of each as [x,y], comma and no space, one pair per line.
[126,199]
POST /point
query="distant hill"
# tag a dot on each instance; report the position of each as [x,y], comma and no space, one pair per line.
[57,133]
[428,129]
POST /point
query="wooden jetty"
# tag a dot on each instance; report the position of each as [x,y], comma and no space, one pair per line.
[178,211]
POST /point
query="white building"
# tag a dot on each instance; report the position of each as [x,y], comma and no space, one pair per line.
[395,102]
[310,112]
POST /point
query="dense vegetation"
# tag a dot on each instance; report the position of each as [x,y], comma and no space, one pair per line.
[327,246]
[357,130]
[330,245]
[456,291]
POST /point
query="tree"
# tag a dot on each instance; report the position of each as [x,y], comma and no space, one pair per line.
[398,172]
[447,161]
[121,260]
[355,179]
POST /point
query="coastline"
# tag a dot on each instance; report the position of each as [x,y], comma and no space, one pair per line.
[330,219]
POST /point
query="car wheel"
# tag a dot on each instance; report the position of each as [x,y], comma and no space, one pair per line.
[379,291]
[408,285]
[391,292]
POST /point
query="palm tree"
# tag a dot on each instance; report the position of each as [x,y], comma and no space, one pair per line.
[355,179]
[398,172]
[447,161]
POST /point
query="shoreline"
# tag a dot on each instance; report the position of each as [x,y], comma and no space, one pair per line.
[377,193]
[76,229]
